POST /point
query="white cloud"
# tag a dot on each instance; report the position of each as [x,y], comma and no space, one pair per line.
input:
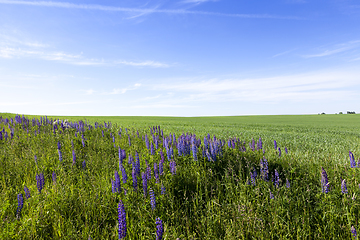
[143,64]
[198,1]
[74,59]
[283,53]
[321,85]
[138,10]
[338,48]
[116,91]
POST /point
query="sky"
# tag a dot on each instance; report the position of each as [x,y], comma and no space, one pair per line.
[179,57]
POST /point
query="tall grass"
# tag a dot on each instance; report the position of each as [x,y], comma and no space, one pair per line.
[205,199]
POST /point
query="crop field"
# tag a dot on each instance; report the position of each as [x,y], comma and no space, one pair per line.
[241,177]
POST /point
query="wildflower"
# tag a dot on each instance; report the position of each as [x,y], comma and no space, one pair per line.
[54,177]
[74,157]
[156,173]
[161,166]
[152,199]
[353,231]
[324,181]
[286,150]
[123,173]
[134,177]
[84,164]
[271,195]
[27,192]
[287,183]
[264,169]
[276,180]
[343,187]
[279,152]
[59,145]
[113,186]
[172,167]
[122,220]
[152,151]
[60,155]
[117,182]
[20,204]
[159,229]
[40,182]
[352,160]
[163,190]
[275,144]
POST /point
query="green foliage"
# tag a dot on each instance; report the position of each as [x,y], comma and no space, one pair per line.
[204,200]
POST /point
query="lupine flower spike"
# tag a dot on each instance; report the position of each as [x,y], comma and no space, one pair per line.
[324,181]
[152,199]
[159,229]
[353,231]
[27,192]
[122,220]
[20,204]
[343,187]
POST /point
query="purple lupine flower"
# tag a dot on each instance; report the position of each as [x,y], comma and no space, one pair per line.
[74,157]
[352,160]
[134,177]
[39,183]
[343,187]
[122,220]
[161,166]
[148,172]
[129,140]
[353,231]
[271,195]
[84,164]
[60,155]
[54,177]
[137,164]
[279,152]
[152,199]
[123,173]
[147,142]
[59,145]
[113,186]
[83,142]
[159,229]
[27,192]
[172,167]
[20,204]
[194,150]
[144,182]
[286,150]
[130,161]
[117,182]
[102,133]
[156,173]
[163,190]
[152,151]
[275,144]
[287,183]
[264,169]
[253,175]
[324,181]
[276,179]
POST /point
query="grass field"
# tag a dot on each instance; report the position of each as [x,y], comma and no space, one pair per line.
[216,196]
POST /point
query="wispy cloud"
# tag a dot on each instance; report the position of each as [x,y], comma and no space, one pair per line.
[138,10]
[303,87]
[198,1]
[283,53]
[116,91]
[338,48]
[74,59]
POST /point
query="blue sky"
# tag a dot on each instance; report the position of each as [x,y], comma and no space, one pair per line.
[179,57]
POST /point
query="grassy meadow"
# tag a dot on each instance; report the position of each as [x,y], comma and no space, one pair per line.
[203,177]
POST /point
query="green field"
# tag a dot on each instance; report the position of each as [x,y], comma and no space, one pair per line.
[204,199]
